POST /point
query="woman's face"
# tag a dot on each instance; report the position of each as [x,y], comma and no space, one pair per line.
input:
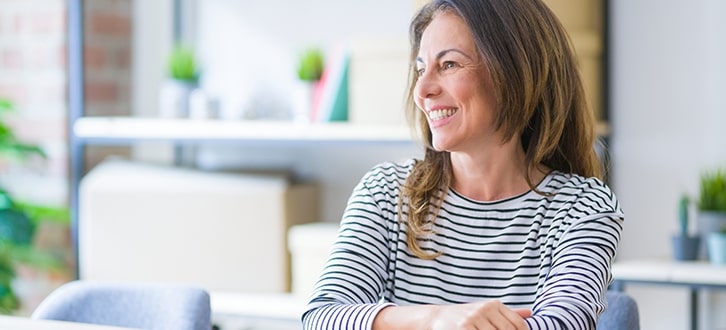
[454,89]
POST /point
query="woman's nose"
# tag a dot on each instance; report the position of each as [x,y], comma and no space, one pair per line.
[427,85]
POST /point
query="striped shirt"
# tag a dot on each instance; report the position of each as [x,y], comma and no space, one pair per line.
[550,253]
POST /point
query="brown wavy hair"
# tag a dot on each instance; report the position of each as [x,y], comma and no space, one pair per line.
[539,95]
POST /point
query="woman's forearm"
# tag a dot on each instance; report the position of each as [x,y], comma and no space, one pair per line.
[417,317]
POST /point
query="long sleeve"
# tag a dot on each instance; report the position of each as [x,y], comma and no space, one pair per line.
[573,295]
[348,293]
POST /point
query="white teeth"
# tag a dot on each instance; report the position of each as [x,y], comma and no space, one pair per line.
[441,113]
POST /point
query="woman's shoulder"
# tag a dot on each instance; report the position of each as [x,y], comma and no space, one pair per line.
[391,170]
[588,190]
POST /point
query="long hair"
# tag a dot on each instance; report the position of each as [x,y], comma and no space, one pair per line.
[539,97]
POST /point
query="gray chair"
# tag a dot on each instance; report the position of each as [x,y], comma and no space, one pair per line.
[621,313]
[133,305]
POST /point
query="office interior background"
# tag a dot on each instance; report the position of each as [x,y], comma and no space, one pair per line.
[664,104]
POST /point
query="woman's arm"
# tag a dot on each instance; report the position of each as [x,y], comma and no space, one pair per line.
[479,315]
[573,296]
[348,292]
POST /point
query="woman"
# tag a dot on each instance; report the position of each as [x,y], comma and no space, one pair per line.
[504,223]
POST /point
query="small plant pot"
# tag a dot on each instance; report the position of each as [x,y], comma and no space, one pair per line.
[174,98]
[685,247]
[717,248]
[302,101]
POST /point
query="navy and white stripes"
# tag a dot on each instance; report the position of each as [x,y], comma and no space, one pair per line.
[551,253]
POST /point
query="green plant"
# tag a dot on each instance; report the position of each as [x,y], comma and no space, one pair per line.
[713,191]
[310,65]
[683,214]
[182,64]
[18,220]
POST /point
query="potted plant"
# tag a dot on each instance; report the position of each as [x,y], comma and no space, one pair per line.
[711,206]
[685,246]
[182,79]
[19,219]
[309,71]
[716,246]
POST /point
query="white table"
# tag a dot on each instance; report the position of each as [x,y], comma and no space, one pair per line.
[694,275]
[24,323]
[252,311]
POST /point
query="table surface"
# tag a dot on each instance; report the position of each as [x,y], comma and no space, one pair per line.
[24,323]
[670,271]
[278,306]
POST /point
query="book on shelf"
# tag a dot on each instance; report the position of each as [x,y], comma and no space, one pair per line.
[331,100]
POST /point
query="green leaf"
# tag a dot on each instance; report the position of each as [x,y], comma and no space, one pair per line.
[182,64]
[39,213]
[310,67]
[713,191]
[5,105]
[16,227]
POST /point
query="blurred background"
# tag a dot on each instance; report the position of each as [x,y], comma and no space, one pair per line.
[654,72]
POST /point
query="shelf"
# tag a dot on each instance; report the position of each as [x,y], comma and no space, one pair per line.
[130,129]
[115,130]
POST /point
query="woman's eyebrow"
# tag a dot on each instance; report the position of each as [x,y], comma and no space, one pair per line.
[444,52]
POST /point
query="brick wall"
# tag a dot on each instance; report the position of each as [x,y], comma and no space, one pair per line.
[33,75]
[107,60]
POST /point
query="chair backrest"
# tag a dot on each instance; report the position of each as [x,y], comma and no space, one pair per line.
[134,305]
[621,313]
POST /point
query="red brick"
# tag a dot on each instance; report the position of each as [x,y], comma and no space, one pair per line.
[62,56]
[11,58]
[101,91]
[52,94]
[94,57]
[109,24]
[33,130]
[48,22]
[14,92]
[123,57]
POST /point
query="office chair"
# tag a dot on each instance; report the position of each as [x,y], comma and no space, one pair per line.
[621,313]
[134,305]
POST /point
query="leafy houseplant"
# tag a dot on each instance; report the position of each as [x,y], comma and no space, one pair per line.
[309,71]
[18,220]
[711,205]
[183,64]
[685,246]
[713,192]
[310,65]
[183,78]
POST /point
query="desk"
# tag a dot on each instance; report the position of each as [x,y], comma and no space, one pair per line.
[694,275]
[250,311]
[24,323]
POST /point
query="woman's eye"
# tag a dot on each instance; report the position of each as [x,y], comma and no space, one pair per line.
[420,72]
[448,65]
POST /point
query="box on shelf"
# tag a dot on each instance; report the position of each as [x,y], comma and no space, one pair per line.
[309,248]
[378,81]
[222,231]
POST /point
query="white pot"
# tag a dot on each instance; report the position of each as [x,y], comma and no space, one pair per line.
[709,222]
[174,98]
[302,101]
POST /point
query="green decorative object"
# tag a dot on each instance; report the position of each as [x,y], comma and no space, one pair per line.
[711,207]
[713,191]
[310,65]
[18,220]
[685,247]
[182,64]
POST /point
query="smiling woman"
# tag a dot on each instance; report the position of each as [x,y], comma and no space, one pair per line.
[505,223]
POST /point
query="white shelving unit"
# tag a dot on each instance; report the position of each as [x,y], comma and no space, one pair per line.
[129,129]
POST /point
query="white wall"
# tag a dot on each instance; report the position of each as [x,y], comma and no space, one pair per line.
[248,51]
[667,111]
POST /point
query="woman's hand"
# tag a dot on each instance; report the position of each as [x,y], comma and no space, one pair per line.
[489,315]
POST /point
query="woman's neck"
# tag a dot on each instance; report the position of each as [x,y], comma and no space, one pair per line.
[493,175]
